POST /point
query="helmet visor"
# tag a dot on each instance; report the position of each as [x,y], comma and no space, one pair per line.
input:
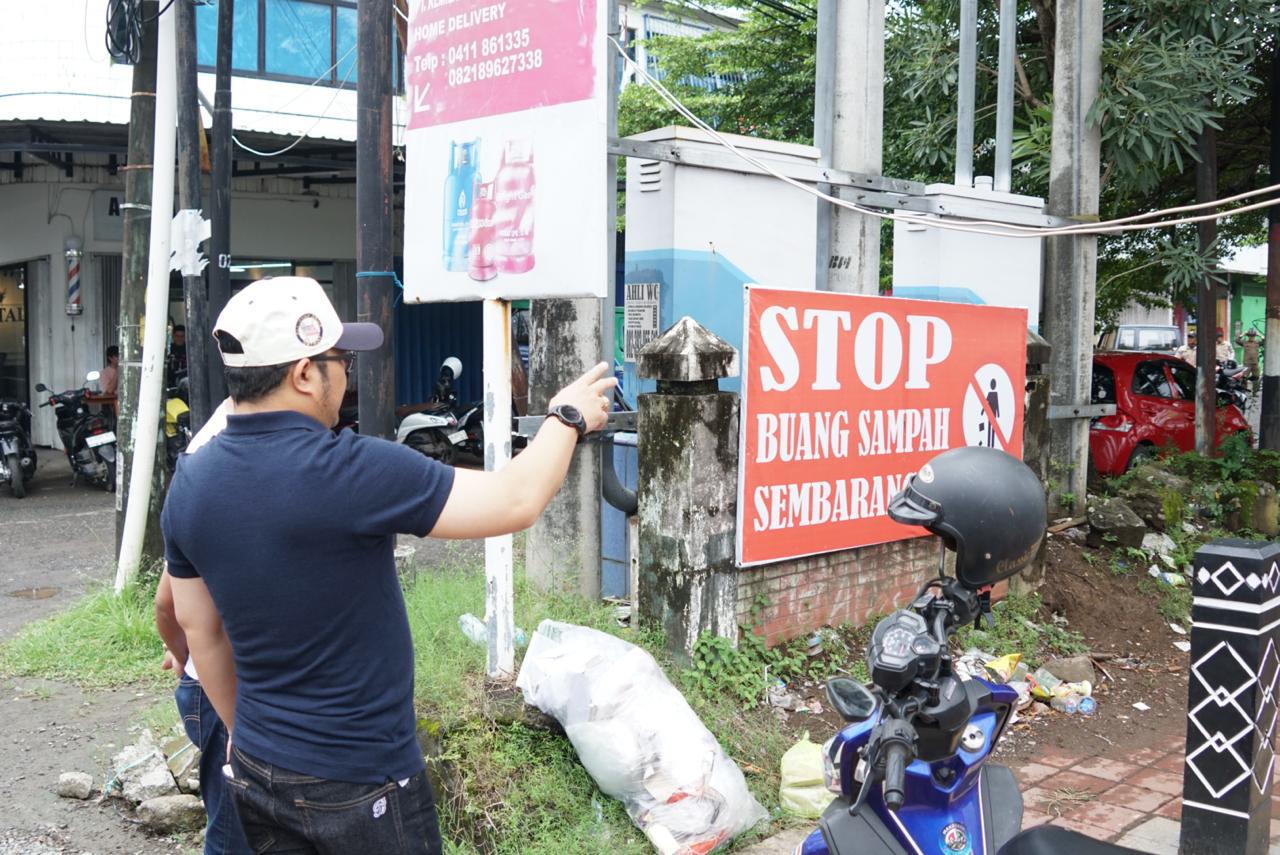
[910,507]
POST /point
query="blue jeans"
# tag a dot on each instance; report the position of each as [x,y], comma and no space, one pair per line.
[287,812]
[223,834]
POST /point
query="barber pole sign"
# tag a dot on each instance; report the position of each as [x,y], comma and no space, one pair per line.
[844,396]
[74,306]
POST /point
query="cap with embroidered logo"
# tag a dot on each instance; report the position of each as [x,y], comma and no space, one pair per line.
[283,319]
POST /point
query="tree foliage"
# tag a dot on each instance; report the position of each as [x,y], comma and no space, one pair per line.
[1169,68]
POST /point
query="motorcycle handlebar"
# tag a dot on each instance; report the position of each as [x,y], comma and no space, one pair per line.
[895,768]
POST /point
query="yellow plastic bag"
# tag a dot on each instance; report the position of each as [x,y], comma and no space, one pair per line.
[1002,668]
[803,793]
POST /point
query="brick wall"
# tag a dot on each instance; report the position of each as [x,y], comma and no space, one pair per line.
[836,588]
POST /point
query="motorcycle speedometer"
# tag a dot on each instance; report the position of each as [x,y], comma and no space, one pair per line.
[891,656]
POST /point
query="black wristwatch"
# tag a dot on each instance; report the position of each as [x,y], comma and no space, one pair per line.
[571,416]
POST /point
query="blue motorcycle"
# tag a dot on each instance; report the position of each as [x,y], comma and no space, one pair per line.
[910,769]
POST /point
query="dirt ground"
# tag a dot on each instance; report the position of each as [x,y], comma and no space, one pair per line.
[1118,621]
[1122,627]
[50,727]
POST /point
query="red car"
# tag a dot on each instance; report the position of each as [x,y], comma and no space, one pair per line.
[1155,407]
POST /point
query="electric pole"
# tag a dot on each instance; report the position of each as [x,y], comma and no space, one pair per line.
[195,294]
[1206,302]
[133,287]
[848,125]
[1070,261]
[1270,426]
[375,261]
[220,202]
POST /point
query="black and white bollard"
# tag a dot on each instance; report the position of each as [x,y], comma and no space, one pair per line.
[1232,704]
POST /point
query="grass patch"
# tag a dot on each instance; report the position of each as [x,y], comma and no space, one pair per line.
[519,790]
[1020,628]
[102,641]
[1174,602]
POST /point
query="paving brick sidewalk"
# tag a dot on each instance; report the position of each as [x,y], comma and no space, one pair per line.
[1135,801]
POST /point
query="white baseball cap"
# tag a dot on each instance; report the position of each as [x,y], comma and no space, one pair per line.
[283,319]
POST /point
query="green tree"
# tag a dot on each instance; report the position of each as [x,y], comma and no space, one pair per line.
[1170,67]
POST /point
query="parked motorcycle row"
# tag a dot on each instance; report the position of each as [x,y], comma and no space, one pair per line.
[88,439]
[443,427]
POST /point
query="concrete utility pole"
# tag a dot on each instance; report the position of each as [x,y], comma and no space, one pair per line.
[566,337]
[375,261]
[133,287]
[1070,262]
[145,501]
[848,129]
[562,552]
[220,202]
[1206,302]
[1270,427]
[195,293]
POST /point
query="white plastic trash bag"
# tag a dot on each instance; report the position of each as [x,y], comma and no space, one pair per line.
[638,738]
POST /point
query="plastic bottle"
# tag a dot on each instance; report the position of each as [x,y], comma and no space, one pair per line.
[513,199]
[1069,704]
[459,192]
[473,628]
[1088,706]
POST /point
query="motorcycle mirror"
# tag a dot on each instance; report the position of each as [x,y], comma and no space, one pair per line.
[40,387]
[92,377]
[851,699]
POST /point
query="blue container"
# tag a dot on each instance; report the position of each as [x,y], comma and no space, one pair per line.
[459,194]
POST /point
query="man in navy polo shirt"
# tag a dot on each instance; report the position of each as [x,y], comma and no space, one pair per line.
[279,539]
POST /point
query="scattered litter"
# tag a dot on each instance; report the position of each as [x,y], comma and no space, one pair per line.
[1175,580]
[815,644]
[1184,646]
[782,699]
[1141,707]
[638,739]
[1002,668]
[1177,629]
[1067,799]
[803,792]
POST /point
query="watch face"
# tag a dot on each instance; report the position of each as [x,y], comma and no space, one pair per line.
[571,413]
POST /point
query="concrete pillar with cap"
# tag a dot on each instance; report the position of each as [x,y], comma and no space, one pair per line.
[688,487]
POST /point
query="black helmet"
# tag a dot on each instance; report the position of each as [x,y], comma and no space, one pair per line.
[985,504]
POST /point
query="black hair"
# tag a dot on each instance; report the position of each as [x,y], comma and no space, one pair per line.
[254,382]
[179,328]
[113,352]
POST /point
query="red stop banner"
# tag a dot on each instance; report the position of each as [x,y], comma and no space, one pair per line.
[844,396]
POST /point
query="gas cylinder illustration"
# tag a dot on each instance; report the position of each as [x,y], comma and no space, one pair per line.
[459,192]
[482,247]
[513,200]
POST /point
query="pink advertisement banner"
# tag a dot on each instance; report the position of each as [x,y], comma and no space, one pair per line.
[472,58]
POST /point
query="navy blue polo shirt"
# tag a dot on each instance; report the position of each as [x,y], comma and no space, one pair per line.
[293,531]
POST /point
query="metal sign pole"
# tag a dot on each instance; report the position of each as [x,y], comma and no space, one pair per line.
[499,597]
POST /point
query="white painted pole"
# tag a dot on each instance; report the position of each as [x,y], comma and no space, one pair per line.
[147,425]
[499,600]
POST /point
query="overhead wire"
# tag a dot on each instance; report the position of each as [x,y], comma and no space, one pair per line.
[324,114]
[1114,226]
